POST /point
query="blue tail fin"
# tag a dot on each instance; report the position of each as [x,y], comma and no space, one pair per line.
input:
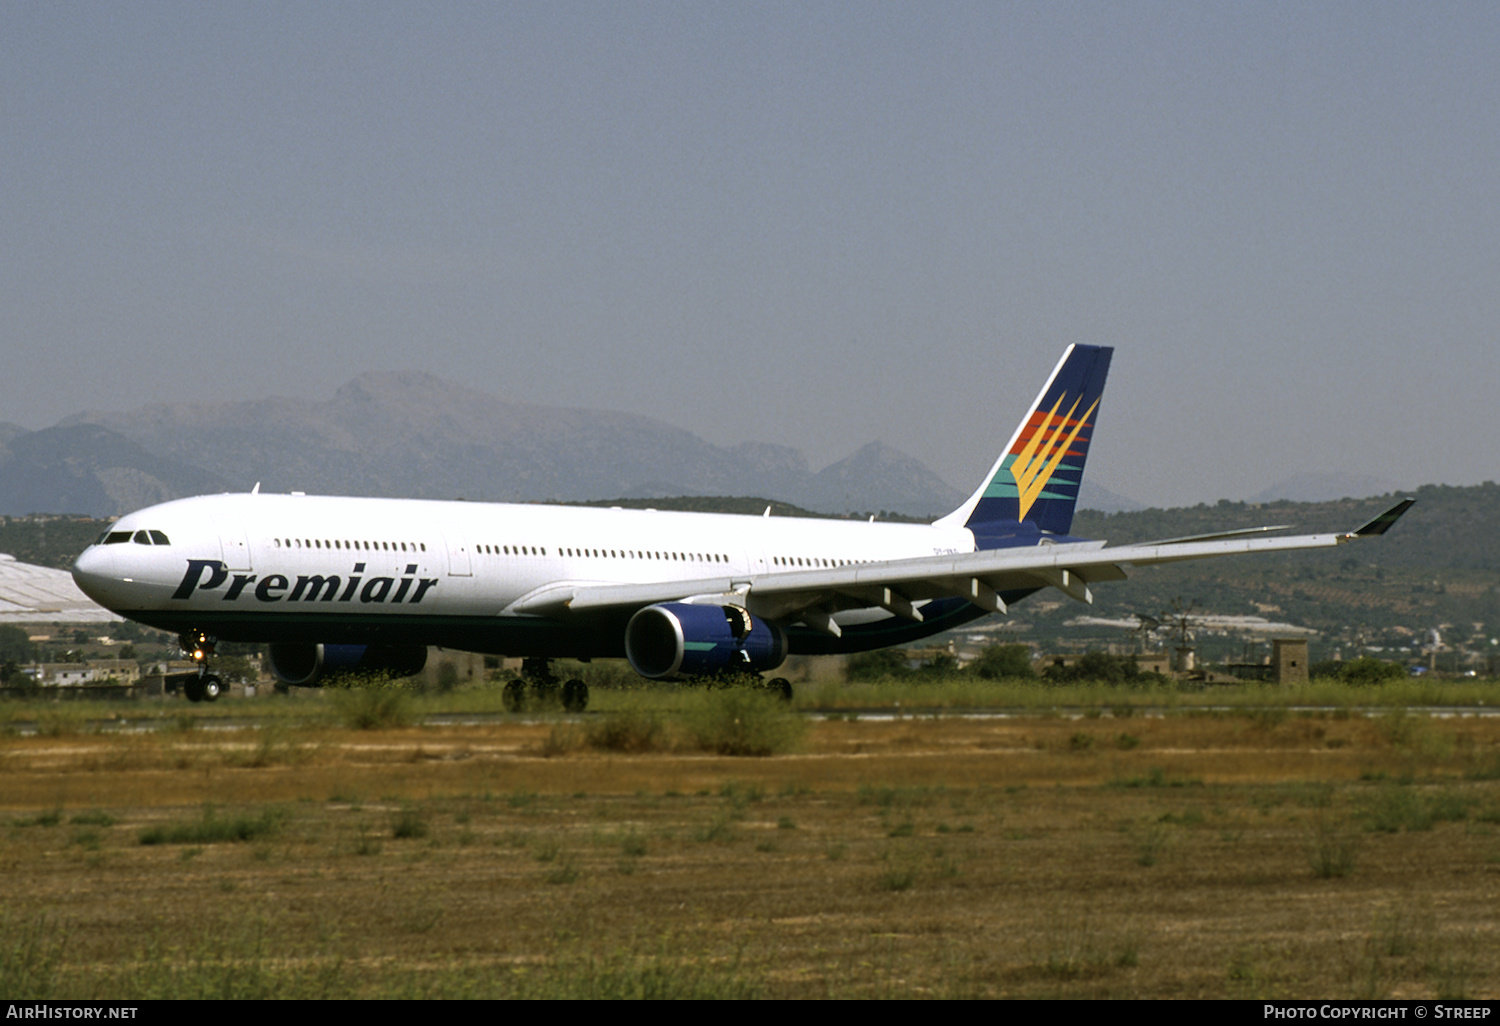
[1033,486]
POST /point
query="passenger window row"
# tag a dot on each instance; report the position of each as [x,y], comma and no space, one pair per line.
[158,538]
[366,546]
[665,557]
[812,561]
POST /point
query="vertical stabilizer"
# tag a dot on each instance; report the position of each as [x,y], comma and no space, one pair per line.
[1034,484]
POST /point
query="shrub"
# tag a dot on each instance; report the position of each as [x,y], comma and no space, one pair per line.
[563,739]
[1368,671]
[741,721]
[31,956]
[1394,808]
[408,824]
[212,829]
[634,728]
[1332,849]
[374,705]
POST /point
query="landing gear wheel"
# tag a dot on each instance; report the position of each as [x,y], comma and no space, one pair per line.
[575,696]
[514,696]
[537,670]
[200,646]
[781,687]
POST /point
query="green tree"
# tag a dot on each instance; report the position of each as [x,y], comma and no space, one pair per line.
[15,646]
[880,664]
[940,665]
[1103,668]
[1002,662]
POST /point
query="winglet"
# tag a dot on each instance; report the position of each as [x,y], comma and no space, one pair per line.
[1382,523]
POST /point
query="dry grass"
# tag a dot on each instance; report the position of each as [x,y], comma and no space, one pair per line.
[1196,855]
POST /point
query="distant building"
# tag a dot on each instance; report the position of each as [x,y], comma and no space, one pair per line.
[1146,662]
[123,672]
[1287,664]
[1289,660]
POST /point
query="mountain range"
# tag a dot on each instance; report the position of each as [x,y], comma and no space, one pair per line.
[414,435]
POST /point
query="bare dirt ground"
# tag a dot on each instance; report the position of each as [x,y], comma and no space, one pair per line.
[1258,854]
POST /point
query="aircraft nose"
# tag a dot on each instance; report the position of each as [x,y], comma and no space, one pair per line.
[94,571]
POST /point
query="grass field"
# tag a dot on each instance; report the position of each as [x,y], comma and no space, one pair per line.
[1241,850]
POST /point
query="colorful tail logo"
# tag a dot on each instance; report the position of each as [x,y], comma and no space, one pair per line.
[1041,454]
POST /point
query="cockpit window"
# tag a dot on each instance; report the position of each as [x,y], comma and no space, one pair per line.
[139,537]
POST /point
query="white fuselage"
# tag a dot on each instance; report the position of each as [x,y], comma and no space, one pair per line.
[264,567]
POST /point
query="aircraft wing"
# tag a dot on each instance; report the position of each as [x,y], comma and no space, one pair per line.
[813,596]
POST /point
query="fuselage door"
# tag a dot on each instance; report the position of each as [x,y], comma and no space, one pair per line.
[232,540]
[458,555]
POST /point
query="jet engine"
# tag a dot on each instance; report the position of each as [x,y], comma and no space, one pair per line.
[308,666]
[675,639]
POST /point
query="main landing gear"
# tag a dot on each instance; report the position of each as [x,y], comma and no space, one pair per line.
[779,687]
[546,688]
[205,687]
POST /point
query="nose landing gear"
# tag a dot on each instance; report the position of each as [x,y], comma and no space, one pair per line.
[206,687]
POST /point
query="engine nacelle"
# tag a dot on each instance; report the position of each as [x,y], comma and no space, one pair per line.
[310,665]
[675,639]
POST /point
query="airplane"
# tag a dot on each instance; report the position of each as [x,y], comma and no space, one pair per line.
[337,585]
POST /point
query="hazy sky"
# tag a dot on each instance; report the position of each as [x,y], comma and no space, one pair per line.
[811,224]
